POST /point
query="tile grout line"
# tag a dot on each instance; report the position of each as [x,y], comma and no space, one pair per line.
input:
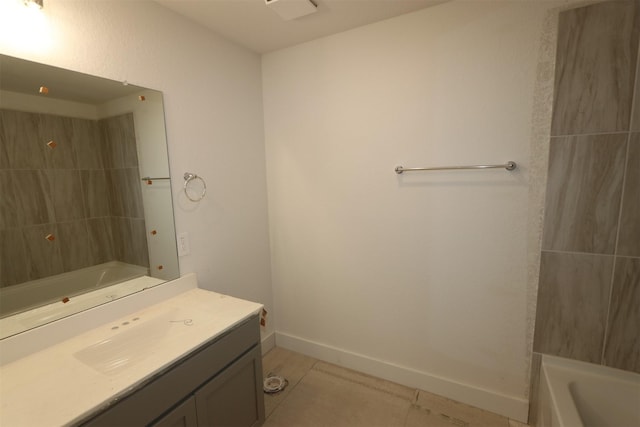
[405,419]
[557,251]
[601,133]
[615,249]
[635,104]
[623,185]
[291,387]
[413,402]
[364,384]
[616,256]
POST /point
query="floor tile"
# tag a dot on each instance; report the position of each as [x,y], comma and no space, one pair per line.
[323,394]
[322,399]
[367,380]
[288,364]
[421,417]
[458,413]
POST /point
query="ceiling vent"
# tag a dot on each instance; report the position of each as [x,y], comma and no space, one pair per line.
[292,9]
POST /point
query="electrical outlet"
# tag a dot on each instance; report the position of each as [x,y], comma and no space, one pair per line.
[183,244]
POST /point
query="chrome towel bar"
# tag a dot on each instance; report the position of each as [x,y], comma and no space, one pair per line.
[508,166]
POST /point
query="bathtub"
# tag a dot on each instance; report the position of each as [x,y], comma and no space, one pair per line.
[578,394]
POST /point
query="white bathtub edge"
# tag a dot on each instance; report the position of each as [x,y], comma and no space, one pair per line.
[36,339]
[570,397]
[556,380]
[508,406]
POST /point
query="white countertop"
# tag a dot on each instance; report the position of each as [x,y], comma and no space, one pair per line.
[54,387]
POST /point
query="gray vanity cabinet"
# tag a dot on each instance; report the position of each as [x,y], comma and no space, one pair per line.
[184,415]
[233,398]
[219,384]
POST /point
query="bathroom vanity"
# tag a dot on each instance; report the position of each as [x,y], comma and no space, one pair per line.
[191,359]
[219,384]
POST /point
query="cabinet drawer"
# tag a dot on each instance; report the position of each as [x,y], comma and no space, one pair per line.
[162,392]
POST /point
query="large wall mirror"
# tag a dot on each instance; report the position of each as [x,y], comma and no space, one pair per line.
[86,214]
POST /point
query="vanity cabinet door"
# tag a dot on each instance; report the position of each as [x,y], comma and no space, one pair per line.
[233,398]
[204,366]
[184,415]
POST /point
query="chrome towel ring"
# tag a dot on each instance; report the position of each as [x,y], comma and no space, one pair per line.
[189,177]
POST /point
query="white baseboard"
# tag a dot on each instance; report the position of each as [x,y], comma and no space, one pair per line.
[268,342]
[508,406]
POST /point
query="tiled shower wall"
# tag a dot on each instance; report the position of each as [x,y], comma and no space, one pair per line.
[85,192]
[589,291]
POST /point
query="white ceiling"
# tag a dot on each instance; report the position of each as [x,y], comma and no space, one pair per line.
[254,25]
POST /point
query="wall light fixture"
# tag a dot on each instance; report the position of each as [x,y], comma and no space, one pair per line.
[34,3]
[24,27]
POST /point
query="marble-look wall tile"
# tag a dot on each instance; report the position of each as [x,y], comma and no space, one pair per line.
[118,231]
[534,388]
[32,192]
[137,250]
[73,239]
[120,141]
[595,68]
[573,296]
[87,144]
[67,191]
[95,193]
[101,248]
[4,144]
[635,118]
[629,237]
[8,208]
[24,144]
[66,194]
[14,257]
[130,241]
[125,195]
[584,187]
[622,347]
[58,129]
[43,256]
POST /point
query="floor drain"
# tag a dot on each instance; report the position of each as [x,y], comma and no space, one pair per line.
[274,384]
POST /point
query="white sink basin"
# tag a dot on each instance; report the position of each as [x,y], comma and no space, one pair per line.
[130,343]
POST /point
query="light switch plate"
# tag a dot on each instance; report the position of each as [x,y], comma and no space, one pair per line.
[183,244]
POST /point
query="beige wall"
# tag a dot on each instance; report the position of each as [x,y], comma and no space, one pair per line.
[419,278]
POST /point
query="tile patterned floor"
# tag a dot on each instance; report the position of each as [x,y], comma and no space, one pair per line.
[322,394]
